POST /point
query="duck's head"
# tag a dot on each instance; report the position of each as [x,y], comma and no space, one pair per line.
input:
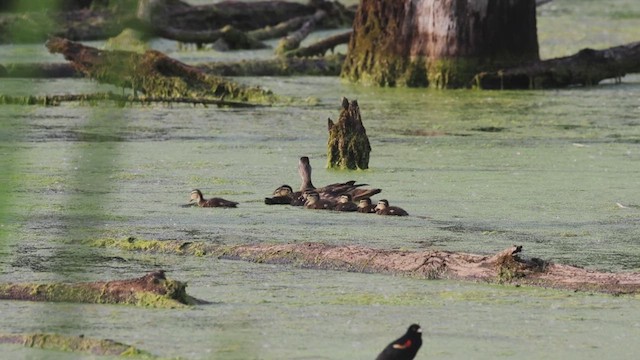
[312,197]
[382,204]
[364,202]
[284,190]
[196,195]
[344,198]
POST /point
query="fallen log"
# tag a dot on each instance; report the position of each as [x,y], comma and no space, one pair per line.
[348,145]
[38,70]
[152,73]
[587,67]
[321,47]
[152,290]
[78,344]
[293,40]
[505,267]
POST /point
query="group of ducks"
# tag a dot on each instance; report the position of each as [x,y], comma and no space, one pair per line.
[347,196]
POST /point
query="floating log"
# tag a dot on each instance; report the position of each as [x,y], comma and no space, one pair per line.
[38,70]
[153,290]
[321,47]
[348,145]
[293,40]
[505,267]
[152,73]
[78,344]
[587,67]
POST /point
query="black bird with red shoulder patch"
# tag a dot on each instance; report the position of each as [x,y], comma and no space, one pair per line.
[404,348]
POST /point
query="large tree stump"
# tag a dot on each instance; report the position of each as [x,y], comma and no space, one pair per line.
[438,43]
[348,146]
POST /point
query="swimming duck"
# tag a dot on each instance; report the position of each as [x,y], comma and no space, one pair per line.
[196,195]
[283,195]
[314,202]
[365,206]
[383,208]
[333,191]
[345,204]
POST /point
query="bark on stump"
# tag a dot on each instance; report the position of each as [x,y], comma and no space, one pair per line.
[348,146]
[438,43]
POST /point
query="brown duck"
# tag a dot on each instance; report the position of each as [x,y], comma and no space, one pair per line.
[196,195]
[345,204]
[365,206]
[314,202]
[283,195]
[383,208]
[333,191]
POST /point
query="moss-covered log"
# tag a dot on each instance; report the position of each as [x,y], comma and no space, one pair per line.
[78,344]
[505,267]
[152,73]
[587,67]
[438,43]
[153,290]
[348,145]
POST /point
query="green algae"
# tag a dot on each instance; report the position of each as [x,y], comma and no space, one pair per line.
[78,344]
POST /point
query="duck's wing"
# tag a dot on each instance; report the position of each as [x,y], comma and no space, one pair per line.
[219,202]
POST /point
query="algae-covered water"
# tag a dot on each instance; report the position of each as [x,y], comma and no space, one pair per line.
[555,171]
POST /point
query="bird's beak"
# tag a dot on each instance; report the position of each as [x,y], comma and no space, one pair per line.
[420,330]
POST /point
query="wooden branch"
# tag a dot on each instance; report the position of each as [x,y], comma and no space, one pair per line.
[39,70]
[152,73]
[153,289]
[322,46]
[505,267]
[55,100]
[293,40]
[279,30]
[587,67]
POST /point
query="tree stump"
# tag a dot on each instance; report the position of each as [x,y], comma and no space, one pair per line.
[348,146]
[438,43]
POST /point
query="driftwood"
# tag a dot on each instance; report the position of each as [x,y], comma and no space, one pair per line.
[321,47]
[348,145]
[153,290]
[293,40]
[79,344]
[506,267]
[587,67]
[152,73]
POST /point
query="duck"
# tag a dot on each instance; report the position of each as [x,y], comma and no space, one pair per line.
[196,195]
[365,206]
[383,208]
[345,204]
[314,202]
[283,195]
[333,191]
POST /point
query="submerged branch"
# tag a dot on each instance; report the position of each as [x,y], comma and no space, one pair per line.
[587,67]
[505,267]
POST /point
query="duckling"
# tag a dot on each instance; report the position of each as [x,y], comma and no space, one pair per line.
[196,195]
[333,191]
[281,196]
[365,206]
[383,208]
[314,202]
[345,204]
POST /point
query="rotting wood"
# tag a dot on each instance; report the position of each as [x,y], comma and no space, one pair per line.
[152,290]
[587,67]
[505,267]
[321,47]
[293,40]
[348,145]
[153,73]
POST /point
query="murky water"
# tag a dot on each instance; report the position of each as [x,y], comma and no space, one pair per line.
[478,170]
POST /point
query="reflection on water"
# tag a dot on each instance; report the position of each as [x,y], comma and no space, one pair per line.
[554,171]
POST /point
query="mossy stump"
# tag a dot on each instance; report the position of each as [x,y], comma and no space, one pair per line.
[348,146]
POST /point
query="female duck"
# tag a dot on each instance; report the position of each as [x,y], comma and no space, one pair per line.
[196,195]
[383,208]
